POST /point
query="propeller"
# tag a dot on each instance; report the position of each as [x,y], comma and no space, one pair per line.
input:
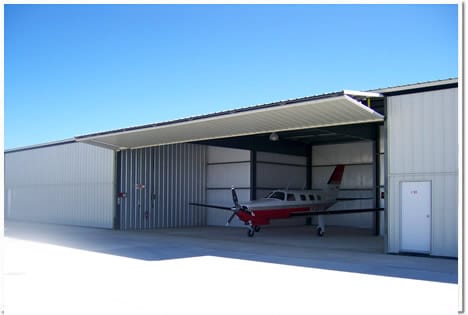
[231,217]
[237,207]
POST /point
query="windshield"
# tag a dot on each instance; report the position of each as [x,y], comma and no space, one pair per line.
[276,195]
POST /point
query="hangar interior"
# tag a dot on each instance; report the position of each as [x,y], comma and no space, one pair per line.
[153,172]
[301,159]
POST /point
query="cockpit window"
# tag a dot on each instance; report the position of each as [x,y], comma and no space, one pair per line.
[311,197]
[303,198]
[291,197]
[276,195]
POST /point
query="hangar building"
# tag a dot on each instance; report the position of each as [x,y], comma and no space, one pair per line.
[399,146]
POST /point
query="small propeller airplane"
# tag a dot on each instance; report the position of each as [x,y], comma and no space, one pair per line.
[283,204]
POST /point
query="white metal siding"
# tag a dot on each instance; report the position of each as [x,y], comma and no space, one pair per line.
[277,176]
[423,146]
[349,153]
[223,155]
[66,184]
[423,132]
[228,175]
[281,158]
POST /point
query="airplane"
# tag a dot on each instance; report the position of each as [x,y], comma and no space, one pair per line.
[283,204]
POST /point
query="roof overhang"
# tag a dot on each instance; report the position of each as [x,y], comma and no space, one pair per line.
[334,109]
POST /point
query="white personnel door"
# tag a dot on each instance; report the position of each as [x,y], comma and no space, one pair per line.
[416,216]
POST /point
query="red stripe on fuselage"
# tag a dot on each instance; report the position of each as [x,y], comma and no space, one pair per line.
[263,217]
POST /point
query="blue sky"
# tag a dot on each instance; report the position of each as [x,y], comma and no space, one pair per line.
[77,69]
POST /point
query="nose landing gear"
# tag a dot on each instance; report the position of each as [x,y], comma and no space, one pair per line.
[252,229]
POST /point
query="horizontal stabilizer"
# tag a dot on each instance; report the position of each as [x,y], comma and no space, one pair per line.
[327,212]
[211,206]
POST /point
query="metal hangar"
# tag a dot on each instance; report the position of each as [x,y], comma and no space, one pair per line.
[399,145]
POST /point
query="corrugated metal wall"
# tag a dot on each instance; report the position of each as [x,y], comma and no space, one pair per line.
[159,183]
[67,184]
[423,146]
[225,168]
[358,179]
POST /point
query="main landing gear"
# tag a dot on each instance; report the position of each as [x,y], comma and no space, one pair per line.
[320,231]
[321,226]
[252,229]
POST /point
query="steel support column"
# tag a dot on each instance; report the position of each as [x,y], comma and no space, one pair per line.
[117,197]
[253,175]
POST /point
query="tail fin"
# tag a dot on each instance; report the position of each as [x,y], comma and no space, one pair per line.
[336,176]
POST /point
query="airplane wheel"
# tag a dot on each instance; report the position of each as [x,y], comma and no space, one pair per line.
[320,232]
[256,228]
[250,233]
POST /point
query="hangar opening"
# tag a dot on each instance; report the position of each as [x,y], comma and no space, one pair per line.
[300,160]
[292,145]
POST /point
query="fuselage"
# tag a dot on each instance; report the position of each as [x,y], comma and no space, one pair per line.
[280,204]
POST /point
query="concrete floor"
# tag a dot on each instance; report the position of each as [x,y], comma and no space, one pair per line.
[53,269]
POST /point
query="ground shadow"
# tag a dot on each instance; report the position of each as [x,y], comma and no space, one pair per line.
[348,250]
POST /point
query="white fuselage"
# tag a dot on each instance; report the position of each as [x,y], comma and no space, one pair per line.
[280,199]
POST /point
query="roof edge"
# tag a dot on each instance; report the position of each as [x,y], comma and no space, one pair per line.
[41,145]
[418,87]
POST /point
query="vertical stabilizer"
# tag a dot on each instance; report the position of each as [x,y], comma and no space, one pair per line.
[336,176]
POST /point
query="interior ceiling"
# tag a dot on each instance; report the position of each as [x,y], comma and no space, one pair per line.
[335,134]
[298,142]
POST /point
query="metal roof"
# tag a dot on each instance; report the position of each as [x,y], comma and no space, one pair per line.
[416,87]
[332,109]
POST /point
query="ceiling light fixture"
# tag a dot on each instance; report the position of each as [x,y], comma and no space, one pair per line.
[274,136]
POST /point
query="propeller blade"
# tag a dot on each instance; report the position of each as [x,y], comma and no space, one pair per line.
[230,218]
[235,199]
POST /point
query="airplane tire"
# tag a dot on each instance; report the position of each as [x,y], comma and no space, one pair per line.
[250,233]
[256,228]
[320,232]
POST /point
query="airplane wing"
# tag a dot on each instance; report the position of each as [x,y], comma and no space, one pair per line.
[211,206]
[327,212]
